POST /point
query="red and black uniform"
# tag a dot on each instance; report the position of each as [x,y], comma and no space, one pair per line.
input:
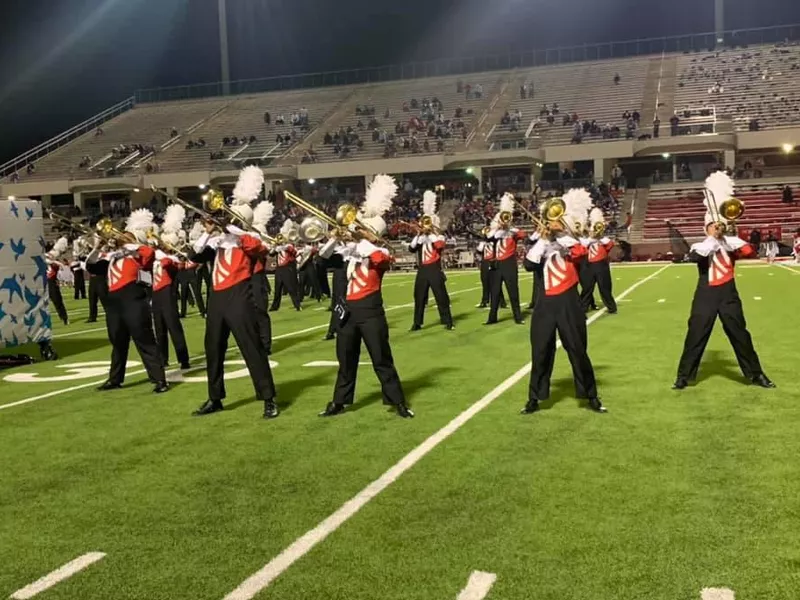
[332,257]
[98,289]
[128,313]
[488,273]
[365,321]
[165,307]
[505,255]
[188,280]
[716,295]
[558,309]
[260,285]
[230,310]
[597,271]
[285,275]
[307,275]
[430,276]
[78,278]
[54,290]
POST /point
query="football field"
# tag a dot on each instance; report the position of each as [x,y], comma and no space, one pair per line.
[665,495]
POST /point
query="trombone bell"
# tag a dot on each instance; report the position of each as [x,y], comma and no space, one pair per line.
[346,215]
[312,229]
[731,209]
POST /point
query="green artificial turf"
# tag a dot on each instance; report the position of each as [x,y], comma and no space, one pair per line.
[668,493]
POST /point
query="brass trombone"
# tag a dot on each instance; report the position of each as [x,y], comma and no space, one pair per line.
[728,212]
[54,216]
[205,215]
[346,215]
[105,229]
[166,246]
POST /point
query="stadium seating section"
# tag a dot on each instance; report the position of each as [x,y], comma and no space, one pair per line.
[684,210]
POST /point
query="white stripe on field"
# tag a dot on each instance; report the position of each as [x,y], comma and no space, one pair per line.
[716,594]
[300,547]
[328,363]
[790,269]
[478,586]
[60,574]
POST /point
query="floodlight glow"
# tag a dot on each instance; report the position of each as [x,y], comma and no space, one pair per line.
[312,181]
[665,155]
[787,148]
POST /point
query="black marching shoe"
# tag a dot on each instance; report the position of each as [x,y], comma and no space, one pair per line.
[404,411]
[91,320]
[109,385]
[185,366]
[490,323]
[161,387]
[329,336]
[519,321]
[415,327]
[450,327]
[763,381]
[531,406]
[680,383]
[332,410]
[596,405]
[481,305]
[210,406]
[270,409]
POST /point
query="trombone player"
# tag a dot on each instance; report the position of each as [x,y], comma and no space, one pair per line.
[716,294]
[505,238]
[597,270]
[429,245]
[286,265]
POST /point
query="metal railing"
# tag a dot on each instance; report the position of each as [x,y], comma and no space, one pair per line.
[464,66]
[65,137]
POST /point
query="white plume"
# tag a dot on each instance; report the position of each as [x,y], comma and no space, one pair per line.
[507,203]
[196,232]
[287,226]
[140,220]
[262,215]
[173,219]
[77,246]
[170,237]
[720,188]
[429,203]
[596,216]
[248,187]
[61,245]
[379,196]
[577,202]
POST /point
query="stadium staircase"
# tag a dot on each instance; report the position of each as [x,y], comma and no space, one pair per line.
[484,130]
[636,201]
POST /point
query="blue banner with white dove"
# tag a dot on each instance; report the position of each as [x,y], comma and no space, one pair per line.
[24,303]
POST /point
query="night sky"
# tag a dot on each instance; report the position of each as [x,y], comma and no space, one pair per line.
[61,61]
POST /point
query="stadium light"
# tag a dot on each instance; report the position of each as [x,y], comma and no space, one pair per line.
[136,190]
[312,181]
[469,170]
[202,186]
[666,155]
[12,198]
[787,148]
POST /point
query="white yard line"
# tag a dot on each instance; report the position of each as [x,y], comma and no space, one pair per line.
[790,269]
[82,386]
[60,574]
[300,547]
[478,586]
[81,332]
[716,594]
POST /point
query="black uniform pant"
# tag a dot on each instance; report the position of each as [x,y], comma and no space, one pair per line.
[597,273]
[98,291]
[322,278]
[190,284]
[562,314]
[260,287]
[204,277]
[128,317]
[56,299]
[231,311]
[79,284]
[709,303]
[506,273]
[168,324]
[286,279]
[337,295]
[431,277]
[488,274]
[369,325]
[584,277]
[309,282]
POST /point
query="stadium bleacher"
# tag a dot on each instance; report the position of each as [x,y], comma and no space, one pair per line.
[683,209]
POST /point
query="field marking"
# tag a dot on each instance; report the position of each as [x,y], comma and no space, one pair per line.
[198,357]
[328,363]
[81,332]
[662,300]
[478,586]
[60,574]
[717,594]
[756,297]
[302,545]
[790,269]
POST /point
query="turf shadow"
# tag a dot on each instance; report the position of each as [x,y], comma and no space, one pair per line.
[411,387]
[289,391]
[65,348]
[284,344]
[716,363]
[564,389]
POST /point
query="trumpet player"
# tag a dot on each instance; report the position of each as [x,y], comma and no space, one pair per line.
[307,273]
[428,245]
[230,305]
[52,257]
[286,266]
[557,309]
[128,312]
[597,269]
[506,239]
[485,249]
[716,294]
[360,317]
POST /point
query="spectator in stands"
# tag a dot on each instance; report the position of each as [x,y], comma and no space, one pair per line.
[656,126]
[626,115]
[617,78]
[14,177]
[674,122]
[98,132]
[31,169]
[173,133]
[554,110]
[468,91]
[755,238]
[788,197]
[280,120]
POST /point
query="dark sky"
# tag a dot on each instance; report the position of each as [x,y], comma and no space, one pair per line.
[62,61]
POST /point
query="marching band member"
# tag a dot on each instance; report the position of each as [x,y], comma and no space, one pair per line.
[596,269]
[537,287]
[716,293]
[332,257]
[165,297]
[259,282]
[558,308]
[307,273]
[286,268]
[488,272]
[429,245]
[796,247]
[53,267]
[128,314]
[506,240]
[77,265]
[230,304]
[361,316]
